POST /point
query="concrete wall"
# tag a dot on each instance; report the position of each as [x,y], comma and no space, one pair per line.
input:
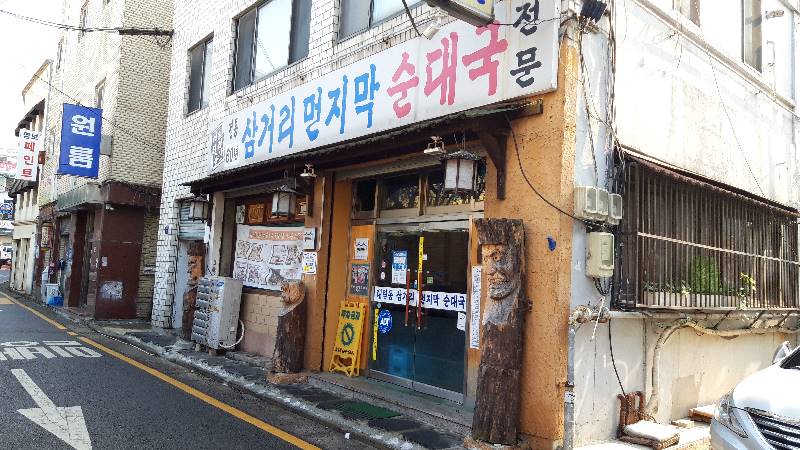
[669,106]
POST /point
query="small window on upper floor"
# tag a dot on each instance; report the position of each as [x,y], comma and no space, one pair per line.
[358,15]
[99,90]
[82,22]
[269,37]
[199,75]
[689,9]
[751,33]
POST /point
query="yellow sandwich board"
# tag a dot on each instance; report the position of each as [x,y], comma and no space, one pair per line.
[347,346]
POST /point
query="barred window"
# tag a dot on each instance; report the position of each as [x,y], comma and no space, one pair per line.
[688,244]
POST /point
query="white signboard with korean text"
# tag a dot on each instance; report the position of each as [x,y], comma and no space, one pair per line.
[432,300]
[266,256]
[27,155]
[462,67]
[475,308]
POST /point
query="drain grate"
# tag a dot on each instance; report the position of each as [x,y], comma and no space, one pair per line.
[362,410]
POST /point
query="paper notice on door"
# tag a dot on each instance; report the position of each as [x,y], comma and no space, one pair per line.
[399,266]
[361,250]
[462,321]
[475,308]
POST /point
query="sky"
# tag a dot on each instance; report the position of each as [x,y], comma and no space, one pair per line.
[24,46]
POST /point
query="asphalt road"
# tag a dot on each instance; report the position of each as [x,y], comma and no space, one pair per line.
[45,372]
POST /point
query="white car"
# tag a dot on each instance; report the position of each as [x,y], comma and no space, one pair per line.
[763,411]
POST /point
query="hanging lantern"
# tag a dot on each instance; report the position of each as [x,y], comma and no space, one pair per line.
[198,208]
[284,201]
[460,170]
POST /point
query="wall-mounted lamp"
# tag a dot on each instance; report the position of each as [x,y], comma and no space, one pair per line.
[436,24]
[198,208]
[308,172]
[284,201]
[460,169]
[435,147]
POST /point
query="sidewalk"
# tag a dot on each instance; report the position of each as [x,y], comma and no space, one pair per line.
[362,420]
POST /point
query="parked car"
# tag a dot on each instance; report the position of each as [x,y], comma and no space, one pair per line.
[5,255]
[763,411]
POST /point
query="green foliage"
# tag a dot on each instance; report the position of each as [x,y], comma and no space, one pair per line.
[704,275]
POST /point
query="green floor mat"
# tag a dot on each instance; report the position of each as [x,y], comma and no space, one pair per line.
[362,410]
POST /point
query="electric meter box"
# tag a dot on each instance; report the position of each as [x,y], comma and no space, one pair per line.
[599,254]
[216,316]
[585,202]
[614,209]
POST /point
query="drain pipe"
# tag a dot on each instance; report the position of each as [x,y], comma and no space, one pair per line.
[652,403]
[579,316]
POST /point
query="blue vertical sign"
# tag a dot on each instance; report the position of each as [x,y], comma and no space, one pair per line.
[80,141]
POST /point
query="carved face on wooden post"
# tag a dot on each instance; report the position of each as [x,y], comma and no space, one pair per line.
[503,266]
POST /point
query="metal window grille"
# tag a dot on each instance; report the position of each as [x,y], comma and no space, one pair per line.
[685,244]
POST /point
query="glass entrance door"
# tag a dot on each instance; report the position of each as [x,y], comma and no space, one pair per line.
[421,347]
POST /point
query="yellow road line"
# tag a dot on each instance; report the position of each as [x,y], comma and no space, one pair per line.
[72,333]
[241,415]
[36,313]
[5,302]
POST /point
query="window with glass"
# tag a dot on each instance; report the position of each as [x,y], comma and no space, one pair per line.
[418,193]
[269,37]
[751,33]
[358,15]
[199,75]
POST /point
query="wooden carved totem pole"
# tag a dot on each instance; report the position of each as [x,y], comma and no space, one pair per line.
[197,251]
[291,333]
[496,414]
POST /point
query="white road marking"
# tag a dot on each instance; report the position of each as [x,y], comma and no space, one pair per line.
[66,424]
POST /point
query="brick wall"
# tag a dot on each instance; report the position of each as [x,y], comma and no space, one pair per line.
[259,313]
[186,137]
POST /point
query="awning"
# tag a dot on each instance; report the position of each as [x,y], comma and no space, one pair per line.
[376,146]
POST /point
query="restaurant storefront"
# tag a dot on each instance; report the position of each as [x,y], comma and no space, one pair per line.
[377,223]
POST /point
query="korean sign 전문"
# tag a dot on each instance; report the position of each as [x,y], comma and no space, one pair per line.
[27,160]
[462,67]
[80,141]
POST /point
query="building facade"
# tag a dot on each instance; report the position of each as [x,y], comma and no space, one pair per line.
[324,150]
[355,97]
[25,192]
[98,228]
[703,150]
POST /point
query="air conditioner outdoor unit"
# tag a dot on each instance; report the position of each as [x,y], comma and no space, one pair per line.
[216,316]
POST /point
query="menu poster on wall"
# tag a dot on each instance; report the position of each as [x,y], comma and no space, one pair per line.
[359,279]
[475,308]
[266,256]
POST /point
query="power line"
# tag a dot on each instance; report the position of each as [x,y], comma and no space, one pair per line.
[131,31]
